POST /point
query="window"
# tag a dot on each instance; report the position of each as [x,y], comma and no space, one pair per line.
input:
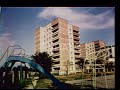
[71,58]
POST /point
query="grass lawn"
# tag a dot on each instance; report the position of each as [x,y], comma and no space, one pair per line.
[45,83]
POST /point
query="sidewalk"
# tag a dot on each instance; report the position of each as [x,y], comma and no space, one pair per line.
[100,82]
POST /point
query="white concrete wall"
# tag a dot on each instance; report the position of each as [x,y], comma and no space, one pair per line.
[42,39]
[113,51]
[71,48]
[90,51]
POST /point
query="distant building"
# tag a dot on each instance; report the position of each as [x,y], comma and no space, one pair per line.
[111,57]
[61,40]
[88,50]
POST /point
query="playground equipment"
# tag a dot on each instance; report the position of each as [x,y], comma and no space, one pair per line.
[20,57]
[102,53]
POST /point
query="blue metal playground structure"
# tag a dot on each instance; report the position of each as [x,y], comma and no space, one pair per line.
[21,57]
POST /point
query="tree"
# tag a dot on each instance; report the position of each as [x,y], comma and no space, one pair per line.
[109,66]
[81,62]
[99,61]
[44,60]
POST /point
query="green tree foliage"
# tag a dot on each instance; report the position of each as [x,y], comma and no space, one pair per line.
[81,62]
[44,60]
[109,65]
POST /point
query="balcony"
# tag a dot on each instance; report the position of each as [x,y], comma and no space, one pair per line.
[76,51]
[75,30]
[56,43]
[56,60]
[76,38]
[56,65]
[77,61]
[56,54]
[55,33]
[76,34]
[56,49]
[76,42]
[55,29]
[55,38]
[77,56]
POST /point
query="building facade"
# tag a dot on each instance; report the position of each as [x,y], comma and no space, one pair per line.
[111,53]
[89,50]
[60,40]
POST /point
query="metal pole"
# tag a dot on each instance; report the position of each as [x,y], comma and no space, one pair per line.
[104,69]
[20,75]
[83,72]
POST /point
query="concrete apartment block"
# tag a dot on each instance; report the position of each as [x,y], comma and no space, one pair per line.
[88,50]
[61,40]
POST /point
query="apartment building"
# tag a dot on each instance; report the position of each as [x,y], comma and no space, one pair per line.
[110,53]
[111,50]
[89,50]
[60,40]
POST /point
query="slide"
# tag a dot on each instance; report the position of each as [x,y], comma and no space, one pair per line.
[38,67]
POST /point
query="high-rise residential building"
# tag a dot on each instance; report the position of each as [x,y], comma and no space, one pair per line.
[60,40]
[89,50]
[110,53]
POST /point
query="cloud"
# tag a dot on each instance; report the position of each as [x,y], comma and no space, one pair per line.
[83,19]
[5,41]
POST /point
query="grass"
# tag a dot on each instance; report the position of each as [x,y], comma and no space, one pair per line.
[25,82]
[45,83]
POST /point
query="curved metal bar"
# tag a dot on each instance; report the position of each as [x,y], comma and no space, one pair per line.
[12,53]
[7,51]
[19,52]
[38,67]
[12,46]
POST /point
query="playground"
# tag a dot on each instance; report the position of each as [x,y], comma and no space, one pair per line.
[23,77]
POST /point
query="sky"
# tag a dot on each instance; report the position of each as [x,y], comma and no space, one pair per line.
[17,24]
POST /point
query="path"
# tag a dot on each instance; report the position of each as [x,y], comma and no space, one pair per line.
[100,82]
